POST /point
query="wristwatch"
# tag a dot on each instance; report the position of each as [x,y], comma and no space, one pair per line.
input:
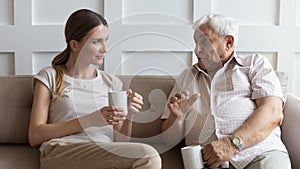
[237,141]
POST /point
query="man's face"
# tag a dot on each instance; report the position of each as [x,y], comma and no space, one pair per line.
[210,48]
[204,48]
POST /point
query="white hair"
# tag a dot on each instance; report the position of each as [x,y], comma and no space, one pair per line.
[221,24]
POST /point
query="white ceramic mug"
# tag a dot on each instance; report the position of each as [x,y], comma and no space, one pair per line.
[192,157]
[119,99]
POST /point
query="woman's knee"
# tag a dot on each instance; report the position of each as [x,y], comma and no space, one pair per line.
[149,157]
[155,162]
[144,150]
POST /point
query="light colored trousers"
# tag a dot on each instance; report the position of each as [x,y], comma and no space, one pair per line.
[115,155]
[270,160]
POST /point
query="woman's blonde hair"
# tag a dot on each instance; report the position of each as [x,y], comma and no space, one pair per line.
[78,25]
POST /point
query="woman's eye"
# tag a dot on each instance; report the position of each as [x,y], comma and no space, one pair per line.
[97,41]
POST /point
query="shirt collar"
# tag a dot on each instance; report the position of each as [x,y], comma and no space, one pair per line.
[239,59]
[236,58]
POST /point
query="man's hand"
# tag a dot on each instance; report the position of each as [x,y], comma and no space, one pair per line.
[182,103]
[218,152]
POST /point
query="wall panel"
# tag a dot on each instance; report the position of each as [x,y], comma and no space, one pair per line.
[7,63]
[41,60]
[6,12]
[156,62]
[45,12]
[298,13]
[254,12]
[151,12]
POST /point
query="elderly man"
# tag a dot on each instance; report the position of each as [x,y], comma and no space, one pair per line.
[237,117]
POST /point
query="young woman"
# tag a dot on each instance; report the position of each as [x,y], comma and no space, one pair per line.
[70,118]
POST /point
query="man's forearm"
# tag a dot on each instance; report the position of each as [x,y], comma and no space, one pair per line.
[262,122]
[173,130]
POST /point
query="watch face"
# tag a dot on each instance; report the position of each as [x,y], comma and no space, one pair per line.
[236,141]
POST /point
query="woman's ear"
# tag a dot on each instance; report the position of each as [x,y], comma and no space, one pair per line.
[229,42]
[73,45]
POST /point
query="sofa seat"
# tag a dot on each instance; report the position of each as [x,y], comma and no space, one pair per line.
[19,156]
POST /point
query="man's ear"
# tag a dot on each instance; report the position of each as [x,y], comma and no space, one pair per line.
[229,42]
[73,45]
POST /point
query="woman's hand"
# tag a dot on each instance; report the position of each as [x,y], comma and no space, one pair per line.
[124,128]
[135,102]
[112,114]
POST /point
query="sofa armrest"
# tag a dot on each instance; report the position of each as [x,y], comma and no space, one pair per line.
[290,128]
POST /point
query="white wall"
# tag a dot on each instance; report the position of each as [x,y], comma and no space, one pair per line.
[148,36]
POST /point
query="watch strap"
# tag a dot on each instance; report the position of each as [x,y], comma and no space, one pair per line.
[237,141]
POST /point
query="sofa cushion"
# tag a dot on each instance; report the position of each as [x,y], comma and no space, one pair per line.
[290,128]
[147,123]
[15,103]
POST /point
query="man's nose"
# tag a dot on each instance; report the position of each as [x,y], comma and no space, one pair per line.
[197,48]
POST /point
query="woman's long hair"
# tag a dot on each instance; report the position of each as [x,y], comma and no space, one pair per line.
[78,25]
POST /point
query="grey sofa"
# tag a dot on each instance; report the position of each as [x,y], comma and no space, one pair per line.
[15,105]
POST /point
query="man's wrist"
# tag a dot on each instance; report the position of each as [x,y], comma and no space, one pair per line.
[178,117]
[236,142]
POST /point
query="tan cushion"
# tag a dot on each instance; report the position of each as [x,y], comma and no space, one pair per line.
[155,91]
[15,107]
[290,129]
